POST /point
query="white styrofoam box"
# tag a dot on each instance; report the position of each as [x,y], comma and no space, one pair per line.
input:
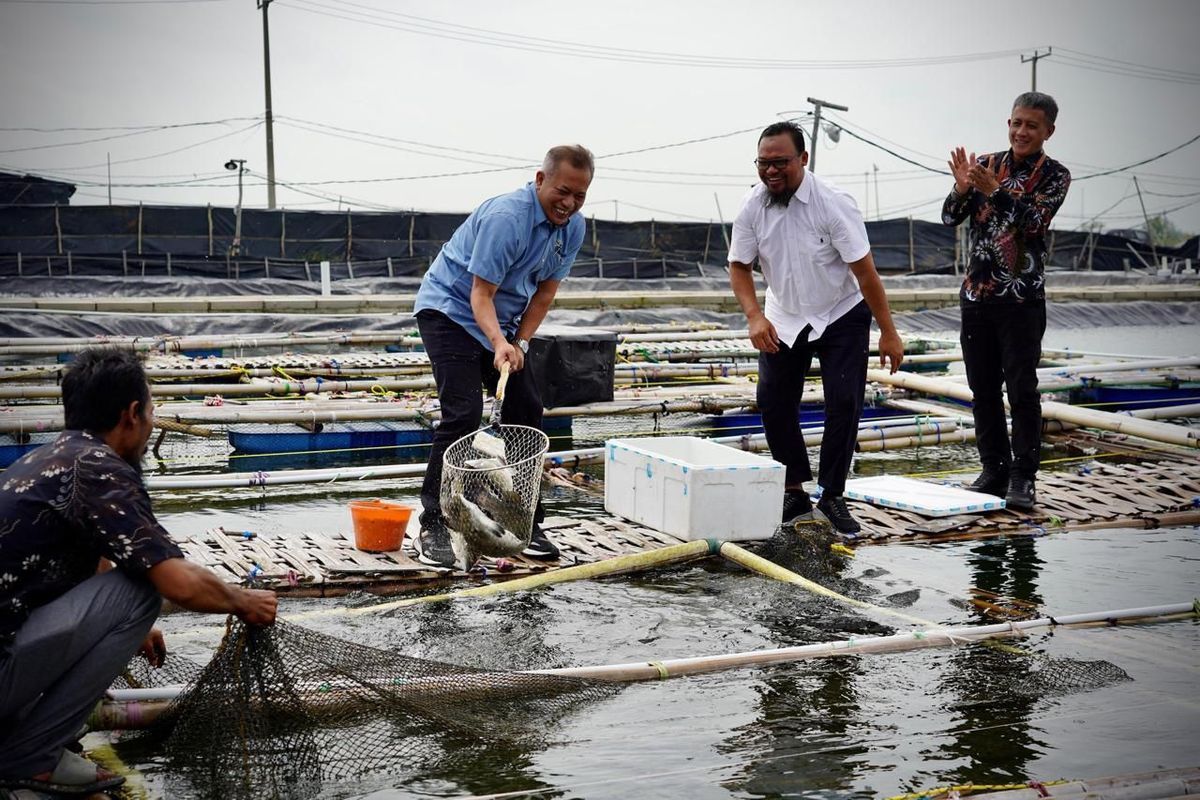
[927,499]
[693,488]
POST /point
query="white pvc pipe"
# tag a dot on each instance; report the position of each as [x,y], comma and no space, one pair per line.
[899,641]
[333,474]
[1147,363]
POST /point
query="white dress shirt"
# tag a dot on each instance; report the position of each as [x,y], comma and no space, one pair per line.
[804,249]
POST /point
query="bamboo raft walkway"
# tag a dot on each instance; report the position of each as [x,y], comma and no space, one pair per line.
[1100,495]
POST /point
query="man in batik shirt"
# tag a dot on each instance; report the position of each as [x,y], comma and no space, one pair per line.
[1010,198]
[84,568]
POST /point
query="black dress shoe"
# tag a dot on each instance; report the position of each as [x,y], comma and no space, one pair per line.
[993,483]
[795,504]
[834,509]
[1021,494]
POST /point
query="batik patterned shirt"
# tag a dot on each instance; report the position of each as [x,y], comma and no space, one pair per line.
[1008,229]
[63,507]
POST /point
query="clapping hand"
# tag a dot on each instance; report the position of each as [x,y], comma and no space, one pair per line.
[960,167]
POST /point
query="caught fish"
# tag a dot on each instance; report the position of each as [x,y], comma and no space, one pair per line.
[495,472]
[476,516]
[507,508]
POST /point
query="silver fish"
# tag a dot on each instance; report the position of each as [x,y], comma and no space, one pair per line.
[496,472]
[476,517]
[509,509]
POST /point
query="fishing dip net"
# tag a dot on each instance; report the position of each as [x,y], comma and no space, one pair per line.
[491,481]
[282,711]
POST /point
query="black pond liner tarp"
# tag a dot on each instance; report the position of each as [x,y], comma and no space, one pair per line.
[198,240]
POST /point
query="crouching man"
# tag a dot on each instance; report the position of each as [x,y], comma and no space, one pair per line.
[84,566]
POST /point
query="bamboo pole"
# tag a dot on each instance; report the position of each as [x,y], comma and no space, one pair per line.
[770,569]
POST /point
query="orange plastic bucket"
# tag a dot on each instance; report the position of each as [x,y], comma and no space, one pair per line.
[379,525]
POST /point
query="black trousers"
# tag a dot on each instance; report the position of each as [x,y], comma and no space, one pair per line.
[461,368]
[842,350]
[1002,344]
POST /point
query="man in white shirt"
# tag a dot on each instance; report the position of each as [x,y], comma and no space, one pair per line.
[822,290]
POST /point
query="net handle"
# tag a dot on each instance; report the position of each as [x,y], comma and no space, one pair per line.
[498,400]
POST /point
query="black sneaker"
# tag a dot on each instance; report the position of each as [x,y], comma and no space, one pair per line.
[834,508]
[795,504]
[989,482]
[433,544]
[540,546]
[1021,494]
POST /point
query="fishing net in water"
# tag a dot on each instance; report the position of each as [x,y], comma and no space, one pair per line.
[804,546]
[280,711]
[1002,670]
[998,671]
[490,487]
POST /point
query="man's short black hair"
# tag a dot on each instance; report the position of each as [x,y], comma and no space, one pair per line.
[1040,101]
[99,385]
[789,128]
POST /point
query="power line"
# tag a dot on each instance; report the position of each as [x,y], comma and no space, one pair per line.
[157,126]
[424,26]
[1163,154]
[124,135]
[155,155]
[408,141]
[892,153]
[1110,60]
[108,2]
[292,123]
[1079,59]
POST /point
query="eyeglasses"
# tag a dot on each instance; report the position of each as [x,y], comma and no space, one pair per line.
[765,164]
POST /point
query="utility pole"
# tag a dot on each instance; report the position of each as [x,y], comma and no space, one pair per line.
[1033,59]
[875,167]
[1146,217]
[270,120]
[818,105]
[108,159]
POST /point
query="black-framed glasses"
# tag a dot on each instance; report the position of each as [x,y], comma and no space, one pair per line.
[765,164]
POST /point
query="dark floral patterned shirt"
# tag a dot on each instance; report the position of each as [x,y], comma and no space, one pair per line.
[1008,230]
[63,507]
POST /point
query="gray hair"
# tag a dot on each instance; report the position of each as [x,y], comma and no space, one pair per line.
[578,156]
[1040,101]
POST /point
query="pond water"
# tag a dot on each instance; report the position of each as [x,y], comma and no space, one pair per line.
[860,726]
[856,726]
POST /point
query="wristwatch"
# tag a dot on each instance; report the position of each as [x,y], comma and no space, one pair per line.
[523,344]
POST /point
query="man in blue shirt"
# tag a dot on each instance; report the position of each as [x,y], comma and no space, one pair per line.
[483,298]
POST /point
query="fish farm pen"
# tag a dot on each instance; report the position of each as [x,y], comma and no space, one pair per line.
[684,648]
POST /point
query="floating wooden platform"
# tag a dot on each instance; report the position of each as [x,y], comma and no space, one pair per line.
[1145,495]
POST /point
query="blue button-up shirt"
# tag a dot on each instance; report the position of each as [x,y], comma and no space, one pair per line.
[507,241]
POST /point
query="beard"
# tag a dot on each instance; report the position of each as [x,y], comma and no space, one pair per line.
[781,198]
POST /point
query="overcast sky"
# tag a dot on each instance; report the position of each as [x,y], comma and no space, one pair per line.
[376,100]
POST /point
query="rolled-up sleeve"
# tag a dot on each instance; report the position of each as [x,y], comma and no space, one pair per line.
[743,245]
[848,232]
